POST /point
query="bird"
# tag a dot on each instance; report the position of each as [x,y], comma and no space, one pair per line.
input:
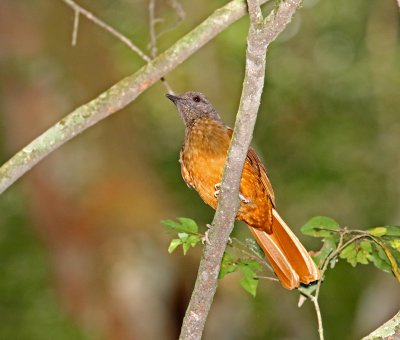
[202,159]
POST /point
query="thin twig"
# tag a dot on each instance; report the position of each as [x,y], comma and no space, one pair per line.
[152,29]
[89,15]
[260,35]
[75,29]
[270,278]
[153,40]
[314,300]
[180,12]
[324,267]
[253,255]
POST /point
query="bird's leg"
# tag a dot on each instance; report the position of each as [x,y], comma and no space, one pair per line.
[205,238]
[217,190]
[243,198]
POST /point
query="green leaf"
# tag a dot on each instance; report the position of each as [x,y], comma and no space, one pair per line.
[329,245]
[228,265]
[364,252]
[183,236]
[249,280]
[251,264]
[171,224]
[350,254]
[185,247]
[247,267]
[380,259]
[174,244]
[390,231]
[358,252]
[393,258]
[395,244]
[188,225]
[193,240]
[188,241]
[320,226]
[377,231]
[393,231]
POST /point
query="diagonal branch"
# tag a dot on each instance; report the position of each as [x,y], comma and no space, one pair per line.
[261,34]
[120,94]
[390,330]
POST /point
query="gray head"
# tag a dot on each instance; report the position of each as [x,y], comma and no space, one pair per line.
[192,106]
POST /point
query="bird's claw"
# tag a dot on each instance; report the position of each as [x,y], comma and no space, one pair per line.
[217,190]
[205,239]
[244,199]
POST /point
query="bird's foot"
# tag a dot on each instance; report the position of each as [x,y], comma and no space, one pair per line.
[204,239]
[217,190]
[244,199]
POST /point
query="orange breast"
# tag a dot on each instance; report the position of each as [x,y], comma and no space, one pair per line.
[205,151]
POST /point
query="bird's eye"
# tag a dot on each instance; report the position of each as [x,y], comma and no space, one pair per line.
[196,99]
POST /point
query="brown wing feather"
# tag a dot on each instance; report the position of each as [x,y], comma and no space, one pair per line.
[254,161]
[185,173]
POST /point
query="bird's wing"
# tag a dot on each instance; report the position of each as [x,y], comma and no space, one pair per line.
[256,164]
[253,161]
[185,173]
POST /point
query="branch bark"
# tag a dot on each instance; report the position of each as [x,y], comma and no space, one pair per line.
[389,330]
[261,34]
[120,94]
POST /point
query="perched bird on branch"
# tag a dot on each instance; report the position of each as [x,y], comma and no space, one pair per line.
[202,160]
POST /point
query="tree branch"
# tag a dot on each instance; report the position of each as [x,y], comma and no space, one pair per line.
[389,330]
[119,95]
[261,34]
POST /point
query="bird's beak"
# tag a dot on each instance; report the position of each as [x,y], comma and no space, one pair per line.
[173,98]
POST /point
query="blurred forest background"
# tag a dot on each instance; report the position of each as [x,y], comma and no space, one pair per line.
[82,251]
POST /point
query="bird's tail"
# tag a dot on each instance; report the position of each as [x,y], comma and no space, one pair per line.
[289,259]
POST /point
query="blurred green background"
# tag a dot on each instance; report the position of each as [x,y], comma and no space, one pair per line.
[82,252]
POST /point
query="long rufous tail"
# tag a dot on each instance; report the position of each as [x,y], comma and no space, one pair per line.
[289,259]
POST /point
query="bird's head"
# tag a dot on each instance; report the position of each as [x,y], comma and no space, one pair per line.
[192,106]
